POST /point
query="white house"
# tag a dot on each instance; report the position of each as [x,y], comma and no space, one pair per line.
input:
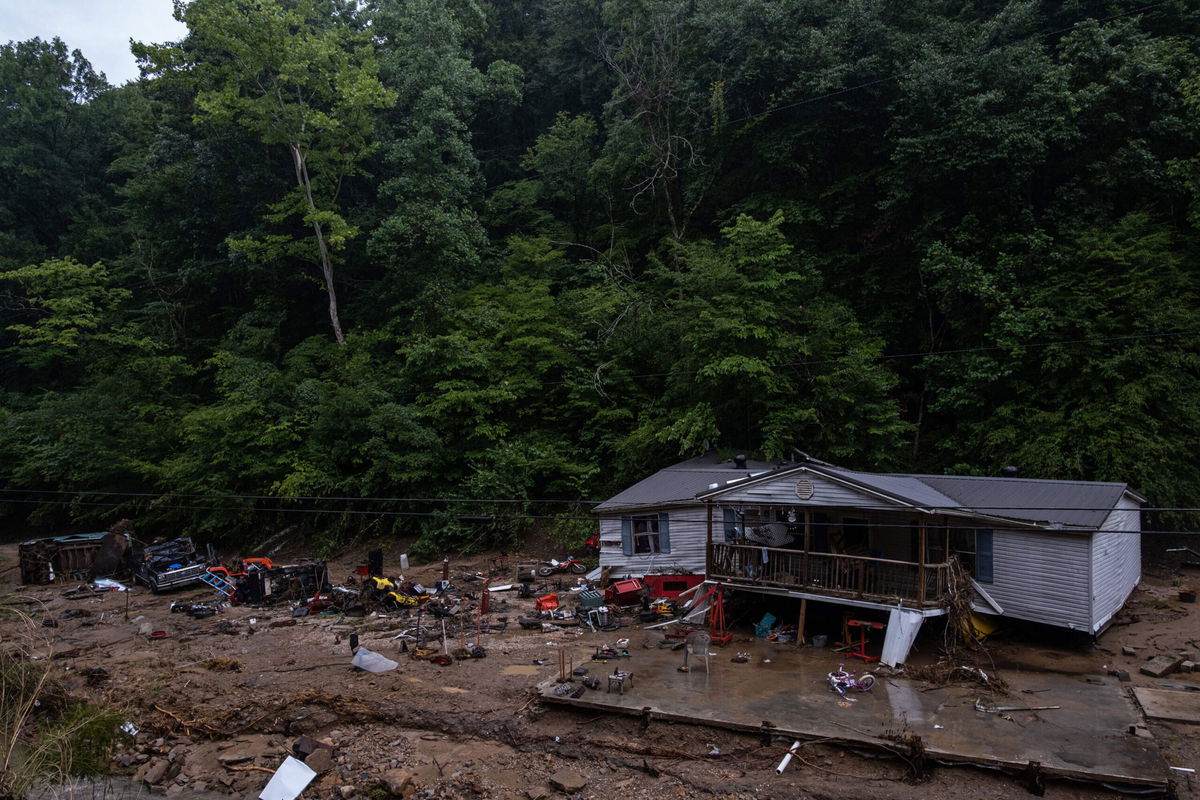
[1063,553]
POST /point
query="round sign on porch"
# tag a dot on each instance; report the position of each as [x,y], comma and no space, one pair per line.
[804,489]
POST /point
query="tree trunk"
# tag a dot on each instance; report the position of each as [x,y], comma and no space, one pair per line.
[326,263]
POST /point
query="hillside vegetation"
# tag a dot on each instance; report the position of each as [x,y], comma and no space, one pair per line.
[449,269]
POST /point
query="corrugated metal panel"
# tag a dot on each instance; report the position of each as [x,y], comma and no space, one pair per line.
[911,489]
[1116,561]
[1043,577]
[1080,503]
[682,482]
[826,493]
[689,535]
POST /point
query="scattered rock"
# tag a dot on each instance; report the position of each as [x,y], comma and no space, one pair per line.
[236,758]
[1187,666]
[1161,666]
[567,781]
[308,720]
[320,760]
[156,771]
[1129,651]
[396,781]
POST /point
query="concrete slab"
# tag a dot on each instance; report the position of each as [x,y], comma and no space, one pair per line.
[1169,704]
[783,689]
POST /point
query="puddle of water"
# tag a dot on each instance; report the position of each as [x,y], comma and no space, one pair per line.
[520,669]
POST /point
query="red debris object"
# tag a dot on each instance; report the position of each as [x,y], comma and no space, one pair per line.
[547,602]
[671,585]
[624,593]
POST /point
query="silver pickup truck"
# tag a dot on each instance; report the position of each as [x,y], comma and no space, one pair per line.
[171,564]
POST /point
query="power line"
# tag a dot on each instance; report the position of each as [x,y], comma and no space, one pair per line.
[281,498]
[495,518]
[518,500]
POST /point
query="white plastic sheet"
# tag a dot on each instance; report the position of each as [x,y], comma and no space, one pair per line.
[292,777]
[109,583]
[372,661]
[902,630]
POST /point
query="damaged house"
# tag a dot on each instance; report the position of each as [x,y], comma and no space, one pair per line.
[1060,553]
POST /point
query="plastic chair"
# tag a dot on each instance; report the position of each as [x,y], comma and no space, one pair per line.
[697,644]
[763,626]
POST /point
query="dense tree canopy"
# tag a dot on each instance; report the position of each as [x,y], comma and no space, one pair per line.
[447,268]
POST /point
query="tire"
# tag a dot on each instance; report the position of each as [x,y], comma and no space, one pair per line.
[866,682]
[578,568]
[545,571]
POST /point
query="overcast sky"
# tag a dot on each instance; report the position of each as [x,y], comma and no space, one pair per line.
[101,29]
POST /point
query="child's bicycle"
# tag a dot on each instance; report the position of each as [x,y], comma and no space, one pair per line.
[840,681]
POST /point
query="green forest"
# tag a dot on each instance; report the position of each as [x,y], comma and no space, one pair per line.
[455,270]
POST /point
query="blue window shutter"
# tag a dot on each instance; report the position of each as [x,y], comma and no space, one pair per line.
[730,523]
[664,535]
[627,535]
[983,555]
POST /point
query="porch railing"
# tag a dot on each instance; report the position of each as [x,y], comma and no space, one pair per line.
[858,577]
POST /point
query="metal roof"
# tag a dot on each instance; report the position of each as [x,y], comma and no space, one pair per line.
[908,488]
[1082,504]
[682,482]
[1076,503]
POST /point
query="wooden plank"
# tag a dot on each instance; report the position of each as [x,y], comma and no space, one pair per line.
[800,638]
[1169,704]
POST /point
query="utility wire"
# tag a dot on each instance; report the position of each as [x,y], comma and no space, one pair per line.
[282,498]
[575,518]
[520,500]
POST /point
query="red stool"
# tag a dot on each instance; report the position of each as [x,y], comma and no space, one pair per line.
[863,626]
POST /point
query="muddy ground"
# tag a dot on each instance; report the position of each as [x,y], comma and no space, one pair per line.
[219,702]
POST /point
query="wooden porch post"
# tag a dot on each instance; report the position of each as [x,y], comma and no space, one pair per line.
[708,544]
[921,543]
[800,639]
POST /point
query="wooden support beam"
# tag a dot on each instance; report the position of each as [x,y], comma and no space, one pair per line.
[922,540]
[708,543]
[800,637]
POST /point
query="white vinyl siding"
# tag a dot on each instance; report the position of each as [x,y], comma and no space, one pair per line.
[1043,577]
[826,493]
[689,533]
[1116,561]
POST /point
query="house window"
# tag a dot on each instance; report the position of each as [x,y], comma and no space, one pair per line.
[646,534]
[973,546]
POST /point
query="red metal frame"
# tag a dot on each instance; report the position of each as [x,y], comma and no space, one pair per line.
[863,626]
